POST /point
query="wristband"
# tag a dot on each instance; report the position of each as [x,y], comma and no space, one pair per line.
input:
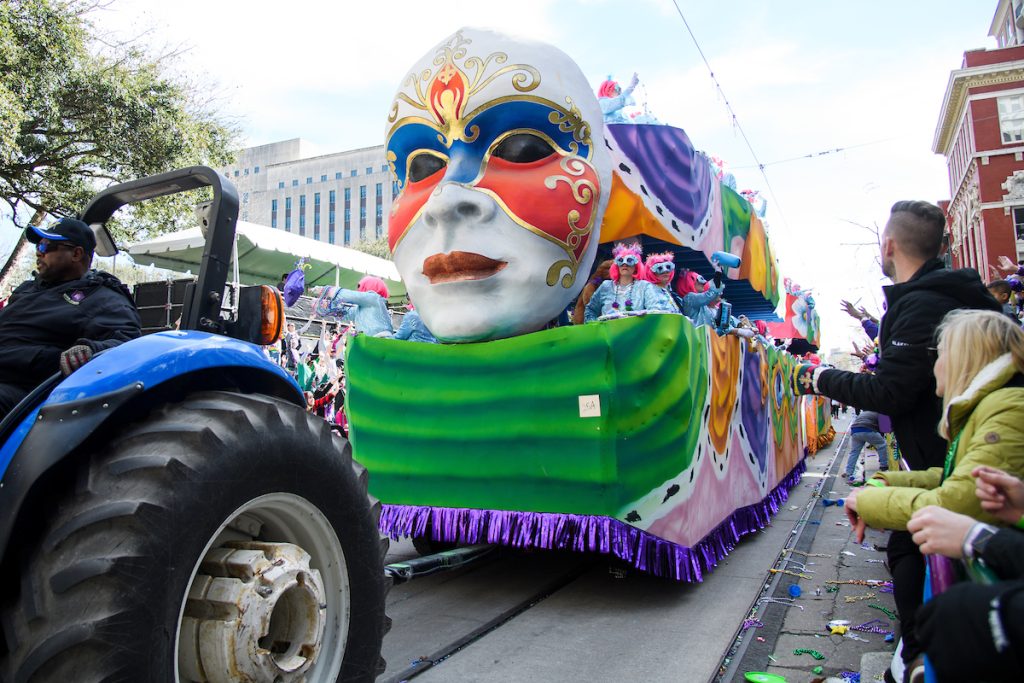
[879,483]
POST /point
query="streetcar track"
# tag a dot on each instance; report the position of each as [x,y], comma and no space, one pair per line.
[736,658]
[428,662]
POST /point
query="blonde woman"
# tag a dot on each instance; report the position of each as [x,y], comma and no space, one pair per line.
[979,373]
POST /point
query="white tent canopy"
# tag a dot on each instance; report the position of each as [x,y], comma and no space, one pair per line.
[265,253]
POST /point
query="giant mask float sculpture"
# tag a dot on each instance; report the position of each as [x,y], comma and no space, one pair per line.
[648,438]
[503,178]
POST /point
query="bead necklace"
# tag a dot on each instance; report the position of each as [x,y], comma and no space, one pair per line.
[621,292]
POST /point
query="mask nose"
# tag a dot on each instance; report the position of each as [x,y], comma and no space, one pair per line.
[453,205]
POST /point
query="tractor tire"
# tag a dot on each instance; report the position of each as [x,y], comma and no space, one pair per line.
[228,537]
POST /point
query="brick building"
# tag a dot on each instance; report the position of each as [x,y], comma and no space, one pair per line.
[981,134]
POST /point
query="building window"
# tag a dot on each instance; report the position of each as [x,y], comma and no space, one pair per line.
[331,213]
[1018,222]
[316,215]
[384,168]
[273,213]
[302,215]
[236,172]
[280,185]
[352,173]
[255,170]
[295,182]
[1011,118]
[369,170]
[337,176]
[288,214]
[379,218]
[309,180]
[362,213]
[348,234]
[394,189]
[323,179]
[245,172]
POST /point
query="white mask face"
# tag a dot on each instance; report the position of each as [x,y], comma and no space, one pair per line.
[497,145]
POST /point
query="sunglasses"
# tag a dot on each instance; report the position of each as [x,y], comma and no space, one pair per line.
[663,267]
[47,247]
[628,260]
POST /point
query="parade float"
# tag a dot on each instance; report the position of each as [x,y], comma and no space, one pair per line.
[644,438]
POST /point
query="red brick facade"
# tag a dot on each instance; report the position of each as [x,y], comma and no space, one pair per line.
[986,173]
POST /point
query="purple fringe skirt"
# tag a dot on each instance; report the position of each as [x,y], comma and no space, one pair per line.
[589,533]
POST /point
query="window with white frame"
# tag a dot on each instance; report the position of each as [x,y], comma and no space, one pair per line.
[1011,118]
[1018,222]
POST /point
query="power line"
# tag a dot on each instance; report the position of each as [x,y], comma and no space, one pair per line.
[735,120]
[814,155]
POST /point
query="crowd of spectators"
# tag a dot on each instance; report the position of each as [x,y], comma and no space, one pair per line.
[945,374]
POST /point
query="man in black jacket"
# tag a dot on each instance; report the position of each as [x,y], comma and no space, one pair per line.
[65,315]
[903,386]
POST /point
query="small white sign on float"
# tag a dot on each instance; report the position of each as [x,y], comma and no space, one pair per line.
[590,405]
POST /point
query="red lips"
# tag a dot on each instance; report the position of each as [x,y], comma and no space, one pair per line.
[460,265]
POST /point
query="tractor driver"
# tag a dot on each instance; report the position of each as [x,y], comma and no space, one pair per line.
[68,313]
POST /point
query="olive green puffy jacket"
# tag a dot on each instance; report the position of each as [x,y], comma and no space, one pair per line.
[989,417]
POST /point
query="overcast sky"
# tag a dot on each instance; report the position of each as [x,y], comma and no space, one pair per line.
[802,78]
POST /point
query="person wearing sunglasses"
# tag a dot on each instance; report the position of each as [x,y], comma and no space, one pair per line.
[661,268]
[628,292]
[58,320]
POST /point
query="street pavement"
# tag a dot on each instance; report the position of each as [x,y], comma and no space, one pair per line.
[829,553]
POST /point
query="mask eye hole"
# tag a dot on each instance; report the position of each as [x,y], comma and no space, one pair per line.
[424,165]
[523,148]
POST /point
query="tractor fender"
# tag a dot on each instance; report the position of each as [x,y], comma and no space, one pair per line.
[122,381]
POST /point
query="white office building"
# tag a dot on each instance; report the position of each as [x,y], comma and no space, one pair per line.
[342,198]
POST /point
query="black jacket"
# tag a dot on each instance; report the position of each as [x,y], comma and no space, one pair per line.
[903,386]
[40,321]
[976,633]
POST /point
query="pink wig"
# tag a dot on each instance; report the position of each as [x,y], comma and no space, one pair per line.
[607,89]
[689,282]
[623,250]
[664,257]
[373,284]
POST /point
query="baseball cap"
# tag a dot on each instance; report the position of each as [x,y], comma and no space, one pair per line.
[68,230]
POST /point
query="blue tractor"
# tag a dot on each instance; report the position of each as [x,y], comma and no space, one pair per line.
[170,511]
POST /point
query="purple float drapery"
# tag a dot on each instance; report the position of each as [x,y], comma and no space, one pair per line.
[589,533]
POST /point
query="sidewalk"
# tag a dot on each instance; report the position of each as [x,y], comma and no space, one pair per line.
[837,573]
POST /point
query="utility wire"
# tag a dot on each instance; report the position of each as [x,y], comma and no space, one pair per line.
[814,155]
[735,120]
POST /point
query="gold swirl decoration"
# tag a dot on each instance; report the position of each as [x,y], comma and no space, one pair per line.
[484,70]
[583,191]
[571,121]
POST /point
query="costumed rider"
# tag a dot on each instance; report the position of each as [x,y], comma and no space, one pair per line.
[699,295]
[660,270]
[60,319]
[700,298]
[628,292]
[366,307]
[613,99]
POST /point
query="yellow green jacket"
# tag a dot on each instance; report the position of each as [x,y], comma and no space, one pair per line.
[989,417]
